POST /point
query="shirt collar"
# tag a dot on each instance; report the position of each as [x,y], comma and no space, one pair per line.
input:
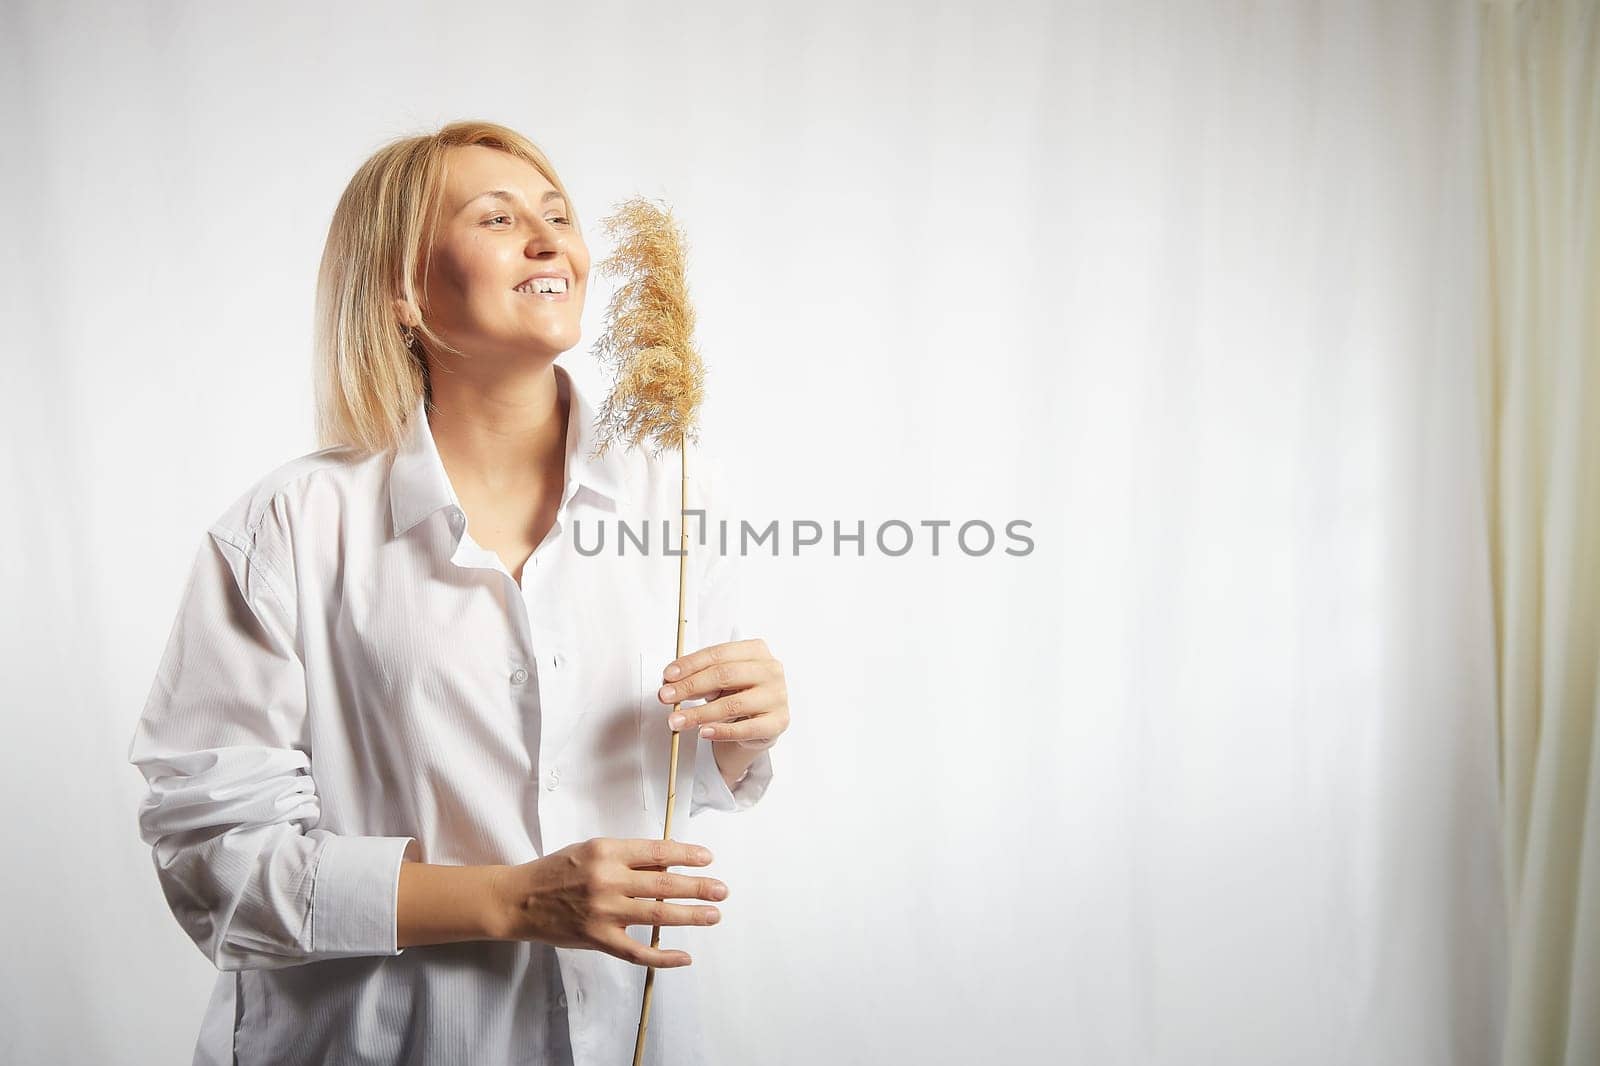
[419,485]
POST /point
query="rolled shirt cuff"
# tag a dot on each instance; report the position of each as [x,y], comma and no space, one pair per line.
[711,791]
[355,897]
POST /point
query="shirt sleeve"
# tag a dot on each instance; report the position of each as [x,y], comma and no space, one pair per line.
[711,791]
[722,617]
[232,810]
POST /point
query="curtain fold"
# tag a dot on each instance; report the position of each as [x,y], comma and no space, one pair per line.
[1540,371]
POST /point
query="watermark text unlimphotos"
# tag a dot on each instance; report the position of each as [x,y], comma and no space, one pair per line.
[892,537]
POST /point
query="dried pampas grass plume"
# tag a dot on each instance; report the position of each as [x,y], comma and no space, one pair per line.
[648,343]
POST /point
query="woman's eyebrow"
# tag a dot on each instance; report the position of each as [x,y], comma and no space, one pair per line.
[510,197]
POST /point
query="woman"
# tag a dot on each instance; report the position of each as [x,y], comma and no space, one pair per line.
[407,747]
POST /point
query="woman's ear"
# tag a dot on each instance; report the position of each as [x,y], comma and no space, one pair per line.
[403,312]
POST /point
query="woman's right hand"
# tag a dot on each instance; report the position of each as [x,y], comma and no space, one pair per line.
[587,894]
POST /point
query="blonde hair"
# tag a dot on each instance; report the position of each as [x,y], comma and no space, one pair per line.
[367,381]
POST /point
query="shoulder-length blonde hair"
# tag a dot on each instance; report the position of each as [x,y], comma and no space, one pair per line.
[367,381]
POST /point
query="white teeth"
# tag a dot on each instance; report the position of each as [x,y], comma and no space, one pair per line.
[543,285]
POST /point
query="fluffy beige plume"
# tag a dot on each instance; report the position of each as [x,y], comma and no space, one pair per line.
[648,343]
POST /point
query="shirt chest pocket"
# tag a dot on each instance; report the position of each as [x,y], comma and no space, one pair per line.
[655,744]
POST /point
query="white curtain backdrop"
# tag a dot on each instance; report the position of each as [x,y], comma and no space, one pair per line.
[1210,776]
[1541,81]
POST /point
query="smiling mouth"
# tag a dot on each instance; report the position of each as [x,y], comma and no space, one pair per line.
[543,287]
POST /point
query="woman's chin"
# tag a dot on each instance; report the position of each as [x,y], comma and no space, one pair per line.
[555,335]
[558,342]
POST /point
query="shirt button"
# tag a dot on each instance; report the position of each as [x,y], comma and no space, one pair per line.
[552,779]
[518,676]
[562,999]
[555,660]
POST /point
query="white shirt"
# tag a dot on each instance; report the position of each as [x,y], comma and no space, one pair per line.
[352,681]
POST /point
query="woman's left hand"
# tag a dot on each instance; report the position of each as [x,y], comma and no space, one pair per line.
[747,700]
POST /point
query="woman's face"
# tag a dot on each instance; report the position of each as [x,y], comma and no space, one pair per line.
[501,224]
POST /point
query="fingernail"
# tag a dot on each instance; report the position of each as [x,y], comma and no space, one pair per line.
[676,721]
[666,693]
[672,672]
[707,731]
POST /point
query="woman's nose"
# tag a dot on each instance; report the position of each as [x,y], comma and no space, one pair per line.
[545,235]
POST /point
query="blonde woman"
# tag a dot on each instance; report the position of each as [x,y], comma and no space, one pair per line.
[407,746]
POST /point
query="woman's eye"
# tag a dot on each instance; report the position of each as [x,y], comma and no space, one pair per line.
[563,219]
[498,217]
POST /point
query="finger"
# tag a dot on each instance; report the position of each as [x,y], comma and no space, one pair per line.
[662,885]
[654,912]
[731,651]
[628,949]
[766,726]
[659,854]
[728,707]
[726,676]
